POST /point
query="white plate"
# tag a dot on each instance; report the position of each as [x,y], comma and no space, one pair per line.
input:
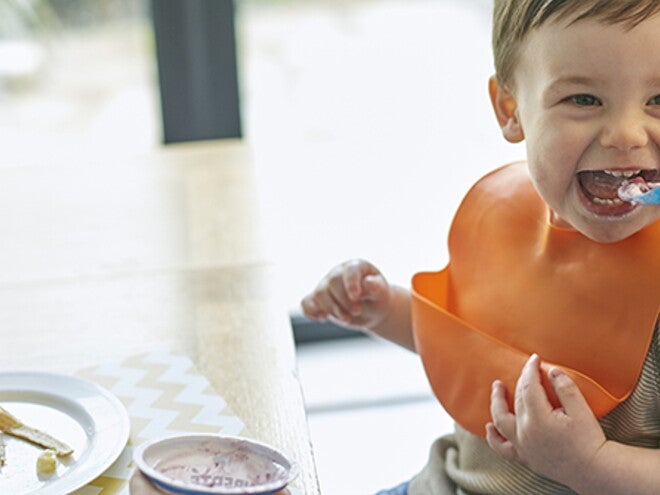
[78,412]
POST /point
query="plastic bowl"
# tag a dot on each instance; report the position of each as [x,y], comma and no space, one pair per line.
[214,464]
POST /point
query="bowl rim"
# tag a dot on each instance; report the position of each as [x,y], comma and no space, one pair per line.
[291,467]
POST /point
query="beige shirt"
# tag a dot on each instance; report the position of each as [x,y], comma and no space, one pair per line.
[463,464]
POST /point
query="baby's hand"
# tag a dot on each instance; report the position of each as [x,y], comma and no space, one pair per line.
[557,443]
[353,294]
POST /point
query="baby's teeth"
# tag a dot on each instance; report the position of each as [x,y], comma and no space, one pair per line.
[625,174]
[608,202]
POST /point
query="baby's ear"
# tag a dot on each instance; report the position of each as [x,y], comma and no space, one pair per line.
[505,107]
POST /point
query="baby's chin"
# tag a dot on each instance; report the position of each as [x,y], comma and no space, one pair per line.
[613,230]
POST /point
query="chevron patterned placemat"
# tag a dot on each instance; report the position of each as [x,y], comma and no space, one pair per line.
[164,395]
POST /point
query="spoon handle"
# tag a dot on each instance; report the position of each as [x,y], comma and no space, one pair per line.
[632,192]
[651,197]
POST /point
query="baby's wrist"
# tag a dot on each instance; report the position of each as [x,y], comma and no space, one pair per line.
[586,477]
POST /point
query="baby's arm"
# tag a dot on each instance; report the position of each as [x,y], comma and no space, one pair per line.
[567,444]
[355,294]
[623,469]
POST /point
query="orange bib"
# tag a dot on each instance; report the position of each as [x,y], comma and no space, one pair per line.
[516,285]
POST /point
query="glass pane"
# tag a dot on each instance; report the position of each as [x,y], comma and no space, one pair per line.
[76,73]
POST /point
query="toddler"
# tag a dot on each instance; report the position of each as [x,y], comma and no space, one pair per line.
[540,337]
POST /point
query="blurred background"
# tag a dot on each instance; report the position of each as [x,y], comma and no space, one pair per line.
[367,121]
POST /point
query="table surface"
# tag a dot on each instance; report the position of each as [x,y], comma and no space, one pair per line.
[108,257]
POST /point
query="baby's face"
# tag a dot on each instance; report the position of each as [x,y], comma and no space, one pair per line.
[588,99]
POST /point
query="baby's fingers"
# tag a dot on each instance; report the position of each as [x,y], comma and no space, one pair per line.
[503,419]
[321,304]
[500,444]
[531,398]
[569,395]
[331,306]
[375,288]
[339,293]
[501,433]
[311,309]
[353,278]
[343,293]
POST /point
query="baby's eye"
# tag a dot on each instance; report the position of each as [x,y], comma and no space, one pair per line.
[654,101]
[584,100]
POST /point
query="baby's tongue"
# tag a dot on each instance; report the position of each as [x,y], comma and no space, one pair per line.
[599,184]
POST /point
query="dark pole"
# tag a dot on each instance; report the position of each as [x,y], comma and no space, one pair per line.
[197,69]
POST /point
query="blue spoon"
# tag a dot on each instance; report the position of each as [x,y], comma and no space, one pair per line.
[651,197]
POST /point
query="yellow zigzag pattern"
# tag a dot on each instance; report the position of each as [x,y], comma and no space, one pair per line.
[157,405]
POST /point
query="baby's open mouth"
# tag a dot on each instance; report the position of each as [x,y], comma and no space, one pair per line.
[601,186]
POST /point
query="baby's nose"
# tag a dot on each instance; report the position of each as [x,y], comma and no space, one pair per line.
[625,132]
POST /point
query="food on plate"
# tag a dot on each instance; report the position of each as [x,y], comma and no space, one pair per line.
[2,450]
[11,425]
[47,462]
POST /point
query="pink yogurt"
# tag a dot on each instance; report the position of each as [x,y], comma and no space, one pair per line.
[224,465]
[202,464]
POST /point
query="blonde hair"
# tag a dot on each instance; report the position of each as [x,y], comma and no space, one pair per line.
[513,19]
